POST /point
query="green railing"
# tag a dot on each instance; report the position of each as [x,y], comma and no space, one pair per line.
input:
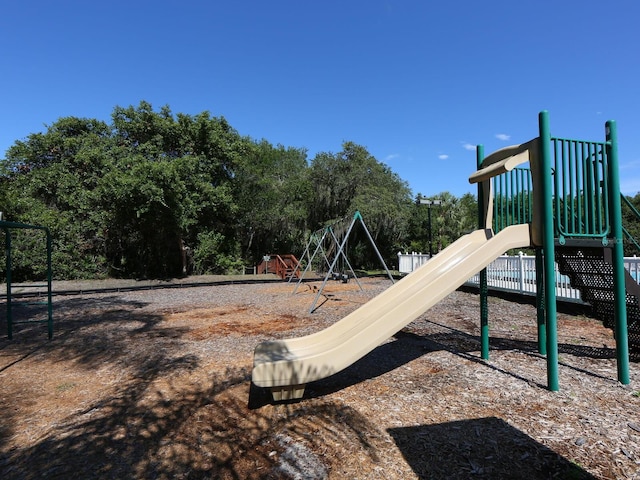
[580,189]
[512,198]
[577,197]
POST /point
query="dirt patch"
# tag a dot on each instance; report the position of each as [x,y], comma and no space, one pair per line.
[231,321]
[156,384]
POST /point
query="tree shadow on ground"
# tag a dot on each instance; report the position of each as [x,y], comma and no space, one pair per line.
[88,331]
[161,419]
[408,346]
[90,334]
[404,348]
[482,448]
[463,341]
[196,432]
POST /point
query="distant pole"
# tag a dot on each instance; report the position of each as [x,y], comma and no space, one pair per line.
[430,236]
[429,203]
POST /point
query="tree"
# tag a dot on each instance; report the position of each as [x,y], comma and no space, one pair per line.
[50,180]
[182,170]
[155,194]
[131,199]
[354,180]
[272,189]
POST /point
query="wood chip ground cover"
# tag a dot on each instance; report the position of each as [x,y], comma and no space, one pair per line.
[156,384]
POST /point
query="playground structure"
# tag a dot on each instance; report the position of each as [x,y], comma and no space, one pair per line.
[11,303]
[282,265]
[337,236]
[566,205]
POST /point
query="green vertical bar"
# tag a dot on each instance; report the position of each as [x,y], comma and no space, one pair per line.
[620,306]
[572,190]
[497,203]
[542,323]
[503,206]
[605,190]
[484,289]
[598,190]
[514,199]
[591,191]
[579,186]
[548,238]
[49,286]
[519,181]
[530,198]
[586,172]
[561,172]
[7,237]
[555,187]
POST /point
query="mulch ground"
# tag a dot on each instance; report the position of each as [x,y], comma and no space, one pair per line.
[155,383]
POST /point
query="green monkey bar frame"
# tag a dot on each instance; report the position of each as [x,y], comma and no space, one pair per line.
[570,193]
[7,227]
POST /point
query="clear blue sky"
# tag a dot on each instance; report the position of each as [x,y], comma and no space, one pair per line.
[416,82]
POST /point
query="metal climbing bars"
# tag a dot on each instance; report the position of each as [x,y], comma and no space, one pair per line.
[10,300]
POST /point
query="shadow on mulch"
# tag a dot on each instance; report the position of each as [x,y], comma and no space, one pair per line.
[482,448]
[385,358]
[410,346]
[131,435]
[89,331]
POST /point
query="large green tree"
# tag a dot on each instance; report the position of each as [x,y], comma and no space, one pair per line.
[174,205]
[157,194]
[133,198]
[353,180]
[50,179]
[272,190]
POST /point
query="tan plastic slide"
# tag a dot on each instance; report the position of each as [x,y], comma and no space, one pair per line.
[286,366]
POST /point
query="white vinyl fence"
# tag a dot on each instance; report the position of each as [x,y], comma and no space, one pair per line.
[515,274]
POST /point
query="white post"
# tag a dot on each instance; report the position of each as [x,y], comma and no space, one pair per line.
[522,272]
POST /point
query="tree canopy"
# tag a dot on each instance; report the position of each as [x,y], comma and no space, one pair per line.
[154,194]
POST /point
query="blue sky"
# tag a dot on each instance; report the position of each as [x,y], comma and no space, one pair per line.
[417,82]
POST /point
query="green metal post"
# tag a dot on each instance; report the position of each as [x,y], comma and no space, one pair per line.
[542,321]
[548,239]
[620,305]
[7,226]
[484,289]
[49,286]
[7,237]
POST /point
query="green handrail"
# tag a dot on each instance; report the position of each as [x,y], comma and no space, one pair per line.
[580,189]
[513,198]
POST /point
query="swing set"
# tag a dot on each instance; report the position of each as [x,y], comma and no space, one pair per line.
[331,244]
